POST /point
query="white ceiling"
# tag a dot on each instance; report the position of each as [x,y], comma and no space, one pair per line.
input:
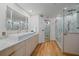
[47,9]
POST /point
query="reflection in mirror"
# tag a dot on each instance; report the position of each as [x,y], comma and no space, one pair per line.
[15,20]
[8,19]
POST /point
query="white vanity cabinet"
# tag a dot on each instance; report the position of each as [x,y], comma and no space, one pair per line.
[24,48]
[31,43]
[19,52]
[18,49]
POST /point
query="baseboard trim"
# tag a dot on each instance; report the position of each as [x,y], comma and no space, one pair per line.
[70,54]
[57,45]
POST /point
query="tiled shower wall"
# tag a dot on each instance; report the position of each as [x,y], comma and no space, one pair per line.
[71,24]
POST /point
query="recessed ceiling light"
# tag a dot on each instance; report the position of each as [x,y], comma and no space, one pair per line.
[65,8]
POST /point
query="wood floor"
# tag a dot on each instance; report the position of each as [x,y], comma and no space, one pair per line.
[47,49]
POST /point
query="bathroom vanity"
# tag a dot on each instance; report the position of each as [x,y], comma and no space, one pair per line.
[17,39]
[22,47]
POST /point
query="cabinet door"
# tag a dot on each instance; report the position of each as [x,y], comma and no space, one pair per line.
[34,42]
[7,52]
[71,43]
[15,50]
[28,46]
[19,52]
[19,49]
[31,44]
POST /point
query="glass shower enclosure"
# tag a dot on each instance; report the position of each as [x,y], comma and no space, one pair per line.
[67,30]
[71,30]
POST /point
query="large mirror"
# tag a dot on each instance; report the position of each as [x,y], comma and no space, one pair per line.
[15,20]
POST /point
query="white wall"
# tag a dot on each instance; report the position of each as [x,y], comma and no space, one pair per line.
[34,23]
[52,29]
[2,17]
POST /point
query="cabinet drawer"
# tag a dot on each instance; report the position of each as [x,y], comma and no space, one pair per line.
[7,51]
[19,45]
[12,49]
[19,52]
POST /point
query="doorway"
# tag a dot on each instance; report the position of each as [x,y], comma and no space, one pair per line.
[47,31]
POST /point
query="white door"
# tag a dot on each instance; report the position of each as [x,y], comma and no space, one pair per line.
[41,30]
